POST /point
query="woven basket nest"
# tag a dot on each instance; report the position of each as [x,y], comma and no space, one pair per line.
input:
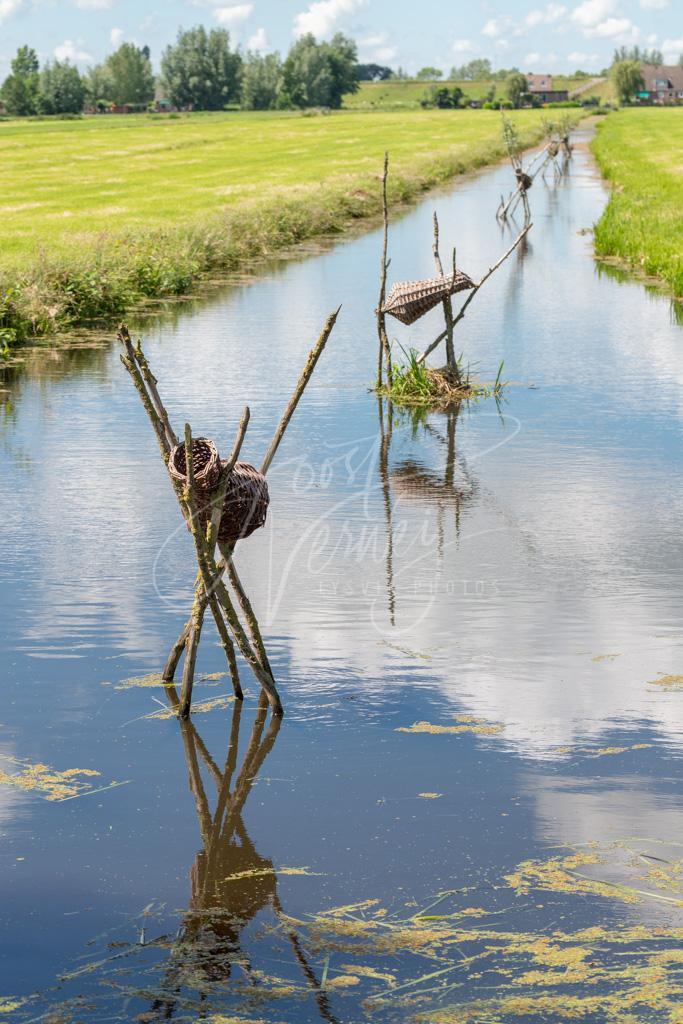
[410,300]
[525,182]
[246,499]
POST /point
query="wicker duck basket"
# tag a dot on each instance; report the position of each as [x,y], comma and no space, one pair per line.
[410,300]
[206,465]
[246,504]
[246,499]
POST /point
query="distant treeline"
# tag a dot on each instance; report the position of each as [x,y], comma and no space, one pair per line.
[201,71]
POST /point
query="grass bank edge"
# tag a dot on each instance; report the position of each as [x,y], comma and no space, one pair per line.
[104,282]
[642,224]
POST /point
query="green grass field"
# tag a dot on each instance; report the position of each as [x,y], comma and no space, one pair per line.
[640,151]
[405,94]
[102,212]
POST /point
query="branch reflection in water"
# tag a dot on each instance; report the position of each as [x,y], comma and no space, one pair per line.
[231,882]
[448,490]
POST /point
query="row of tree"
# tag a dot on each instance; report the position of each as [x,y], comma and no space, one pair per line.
[201,71]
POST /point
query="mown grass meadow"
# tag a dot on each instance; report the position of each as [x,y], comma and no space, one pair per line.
[103,212]
[640,151]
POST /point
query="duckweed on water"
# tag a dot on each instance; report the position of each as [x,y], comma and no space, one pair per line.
[465,723]
[668,682]
[45,781]
[155,680]
[418,965]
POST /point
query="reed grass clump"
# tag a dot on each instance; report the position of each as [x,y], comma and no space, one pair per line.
[415,385]
[640,152]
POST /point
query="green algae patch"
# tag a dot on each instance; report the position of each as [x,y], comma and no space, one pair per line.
[463,724]
[668,682]
[8,1005]
[198,707]
[444,961]
[155,680]
[240,876]
[45,781]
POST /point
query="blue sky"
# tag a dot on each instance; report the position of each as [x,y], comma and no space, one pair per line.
[560,35]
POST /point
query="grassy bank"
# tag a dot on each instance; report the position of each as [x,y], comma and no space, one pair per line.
[640,151]
[405,94]
[102,213]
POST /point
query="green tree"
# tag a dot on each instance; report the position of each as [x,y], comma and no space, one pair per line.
[429,74]
[627,76]
[319,74]
[478,70]
[373,73]
[98,86]
[60,89]
[131,76]
[261,81]
[516,86]
[201,71]
[623,53]
[19,91]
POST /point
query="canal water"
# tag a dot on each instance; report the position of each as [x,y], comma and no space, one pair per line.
[471,809]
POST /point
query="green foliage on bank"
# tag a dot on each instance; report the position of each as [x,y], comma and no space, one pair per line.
[640,151]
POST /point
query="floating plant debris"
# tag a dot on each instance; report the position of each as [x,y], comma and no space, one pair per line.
[465,723]
[45,781]
[668,682]
[155,680]
[425,966]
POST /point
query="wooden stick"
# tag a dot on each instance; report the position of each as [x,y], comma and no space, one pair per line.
[248,611]
[195,633]
[130,364]
[523,233]
[227,645]
[447,302]
[151,382]
[384,347]
[313,357]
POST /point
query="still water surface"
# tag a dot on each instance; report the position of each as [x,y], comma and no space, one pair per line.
[515,571]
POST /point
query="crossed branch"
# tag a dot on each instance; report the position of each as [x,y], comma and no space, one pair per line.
[217,585]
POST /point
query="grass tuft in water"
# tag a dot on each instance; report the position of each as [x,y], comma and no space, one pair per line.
[414,384]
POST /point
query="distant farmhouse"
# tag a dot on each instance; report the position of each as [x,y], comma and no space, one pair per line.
[542,87]
[663,84]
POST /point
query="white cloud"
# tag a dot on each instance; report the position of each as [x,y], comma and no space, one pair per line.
[321,17]
[116,36]
[654,5]
[9,7]
[501,44]
[492,28]
[259,41]
[377,48]
[93,5]
[546,16]
[580,59]
[591,12]
[233,15]
[68,50]
[541,61]
[614,28]
[463,46]
[672,49]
